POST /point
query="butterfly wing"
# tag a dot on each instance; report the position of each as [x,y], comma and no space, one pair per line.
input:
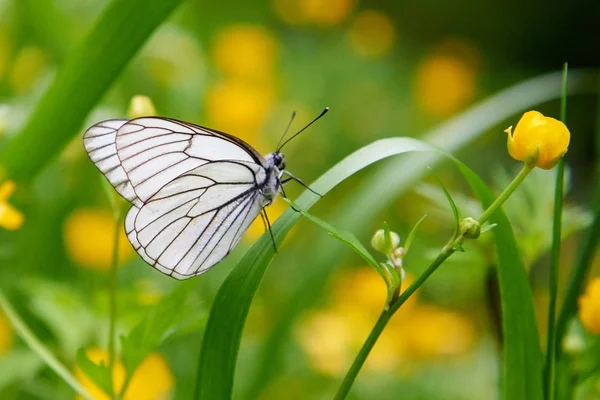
[194,191]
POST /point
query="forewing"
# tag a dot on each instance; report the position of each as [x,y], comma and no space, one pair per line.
[140,156]
[195,220]
[154,151]
[100,143]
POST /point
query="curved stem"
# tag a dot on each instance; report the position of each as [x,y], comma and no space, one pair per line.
[38,348]
[506,193]
[387,314]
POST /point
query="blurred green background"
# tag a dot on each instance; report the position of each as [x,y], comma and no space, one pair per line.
[385,68]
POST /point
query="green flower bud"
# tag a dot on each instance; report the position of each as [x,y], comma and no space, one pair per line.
[379,241]
[469,228]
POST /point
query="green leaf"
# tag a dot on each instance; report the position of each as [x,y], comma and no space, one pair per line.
[221,340]
[455,211]
[389,182]
[100,374]
[522,356]
[155,327]
[82,80]
[345,237]
[411,236]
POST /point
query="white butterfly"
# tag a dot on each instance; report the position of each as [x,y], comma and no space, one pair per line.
[194,191]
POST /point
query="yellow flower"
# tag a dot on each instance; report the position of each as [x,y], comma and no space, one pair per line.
[589,306]
[371,34]
[151,380]
[446,81]
[538,140]
[432,331]
[324,13]
[10,217]
[240,108]
[6,334]
[140,106]
[89,238]
[246,51]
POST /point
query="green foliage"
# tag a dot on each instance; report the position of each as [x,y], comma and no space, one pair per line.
[154,328]
[99,373]
[82,80]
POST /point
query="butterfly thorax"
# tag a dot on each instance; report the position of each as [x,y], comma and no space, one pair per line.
[272,185]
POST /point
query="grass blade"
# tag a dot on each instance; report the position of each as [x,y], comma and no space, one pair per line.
[550,360]
[221,340]
[522,356]
[389,182]
[80,83]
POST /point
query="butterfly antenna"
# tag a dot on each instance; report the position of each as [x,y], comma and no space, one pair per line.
[303,129]
[287,129]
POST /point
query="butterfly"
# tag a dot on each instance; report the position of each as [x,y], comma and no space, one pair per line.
[194,191]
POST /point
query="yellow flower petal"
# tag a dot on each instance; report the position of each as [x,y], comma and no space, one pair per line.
[253,44]
[152,379]
[10,217]
[6,190]
[537,139]
[89,238]
[589,306]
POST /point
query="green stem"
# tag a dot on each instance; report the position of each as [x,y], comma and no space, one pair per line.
[389,311]
[506,193]
[113,286]
[550,361]
[38,348]
[387,314]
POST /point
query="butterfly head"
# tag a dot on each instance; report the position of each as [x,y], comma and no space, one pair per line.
[276,160]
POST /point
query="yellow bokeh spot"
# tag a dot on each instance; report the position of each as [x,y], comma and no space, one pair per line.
[433,331]
[332,336]
[445,82]
[89,238]
[140,106]
[371,34]
[538,140]
[6,334]
[10,217]
[27,68]
[257,228]
[589,306]
[240,108]
[327,340]
[246,51]
[324,13]
[152,379]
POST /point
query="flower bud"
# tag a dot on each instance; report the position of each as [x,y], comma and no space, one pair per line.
[378,241]
[538,140]
[469,228]
[140,106]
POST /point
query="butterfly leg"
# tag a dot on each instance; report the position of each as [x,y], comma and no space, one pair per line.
[295,178]
[265,218]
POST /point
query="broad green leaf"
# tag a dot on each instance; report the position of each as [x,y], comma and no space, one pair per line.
[388,182]
[155,327]
[81,81]
[18,365]
[100,374]
[221,340]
